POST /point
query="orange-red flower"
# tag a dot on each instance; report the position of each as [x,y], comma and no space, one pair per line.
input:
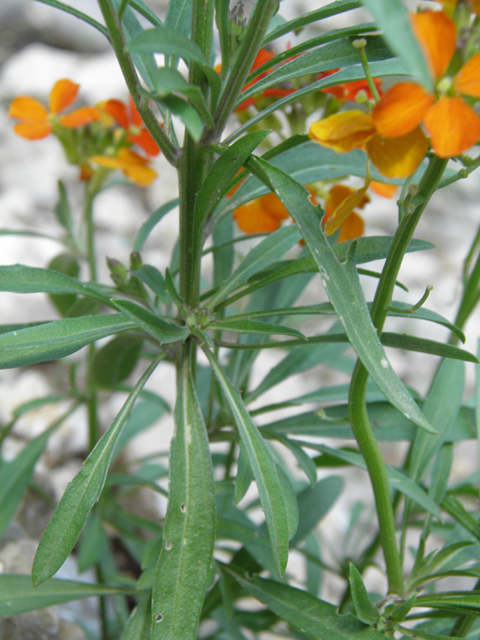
[129,119]
[263,56]
[393,157]
[350,90]
[37,122]
[340,205]
[452,124]
[134,166]
[263,215]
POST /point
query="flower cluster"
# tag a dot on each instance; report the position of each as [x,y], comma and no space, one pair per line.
[105,136]
[394,132]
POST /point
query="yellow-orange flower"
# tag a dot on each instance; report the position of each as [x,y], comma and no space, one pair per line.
[452,124]
[263,215]
[37,122]
[134,166]
[340,205]
[394,157]
[129,119]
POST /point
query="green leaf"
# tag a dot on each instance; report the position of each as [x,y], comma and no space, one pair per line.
[139,623]
[116,360]
[78,14]
[179,16]
[253,326]
[152,277]
[152,221]
[364,608]
[16,474]
[332,9]
[244,476]
[458,512]
[185,112]
[401,310]
[304,611]
[397,31]
[223,256]
[225,168]
[17,595]
[304,460]
[396,478]
[290,500]
[456,601]
[399,613]
[18,278]
[263,467]
[162,329]
[169,41]
[338,279]
[314,503]
[93,543]
[142,416]
[82,493]
[67,264]
[269,250]
[63,211]
[57,339]
[423,345]
[189,534]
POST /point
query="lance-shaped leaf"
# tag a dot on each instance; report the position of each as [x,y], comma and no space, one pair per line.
[343,288]
[168,41]
[314,616]
[365,609]
[152,221]
[19,278]
[139,623]
[57,339]
[255,326]
[263,467]
[184,564]
[17,595]
[269,250]
[163,329]
[82,493]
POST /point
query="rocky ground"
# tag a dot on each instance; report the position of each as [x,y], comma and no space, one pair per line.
[39,45]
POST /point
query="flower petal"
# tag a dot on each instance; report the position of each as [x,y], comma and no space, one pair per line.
[467,80]
[118,111]
[453,126]
[343,131]
[29,109]
[109,162]
[62,95]
[344,208]
[252,218]
[146,142]
[130,157]
[401,109]
[352,228]
[142,176]
[79,117]
[398,157]
[274,207]
[437,35]
[135,118]
[383,189]
[33,130]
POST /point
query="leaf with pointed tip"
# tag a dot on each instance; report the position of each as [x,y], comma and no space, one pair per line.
[163,329]
[364,608]
[167,40]
[254,326]
[152,221]
[82,493]
[183,568]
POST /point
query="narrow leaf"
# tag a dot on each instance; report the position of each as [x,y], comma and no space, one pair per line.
[244,476]
[339,278]
[364,607]
[82,493]
[254,326]
[263,467]
[189,534]
[163,329]
[57,339]
[167,40]
[152,277]
[152,221]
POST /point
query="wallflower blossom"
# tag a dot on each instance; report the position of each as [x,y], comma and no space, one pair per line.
[128,118]
[134,166]
[262,215]
[340,205]
[350,90]
[450,121]
[37,122]
[394,157]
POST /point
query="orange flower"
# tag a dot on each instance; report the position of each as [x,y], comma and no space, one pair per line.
[393,157]
[263,56]
[263,215]
[383,189]
[350,90]
[340,206]
[132,164]
[129,119]
[451,123]
[36,122]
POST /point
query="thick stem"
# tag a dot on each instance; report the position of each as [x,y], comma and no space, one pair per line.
[114,26]
[357,403]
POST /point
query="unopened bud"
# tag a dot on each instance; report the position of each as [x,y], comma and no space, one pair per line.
[359,43]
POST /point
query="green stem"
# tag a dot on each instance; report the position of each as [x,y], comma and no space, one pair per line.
[469,299]
[90,233]
[244,59]
[117,38]
[357,404]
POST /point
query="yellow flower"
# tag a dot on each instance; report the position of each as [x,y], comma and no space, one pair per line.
[134,166]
